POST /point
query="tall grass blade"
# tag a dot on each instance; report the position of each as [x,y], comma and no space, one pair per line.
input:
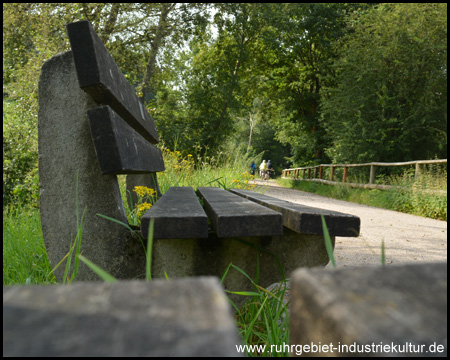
[127,226]
[117,221]
[148,264]
[244,273]
[383,255]
[248,331]
[69,261]
[244,293]
[225,273]
[78,250]
[328,243]
[98,270]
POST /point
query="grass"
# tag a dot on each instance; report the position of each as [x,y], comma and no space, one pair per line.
[224,172]
[262,320]
[425,196]
[25,260]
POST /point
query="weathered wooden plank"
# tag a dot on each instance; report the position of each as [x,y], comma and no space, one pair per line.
[305,219]
[100,77]
[178,215]
[120,149]
[234,216]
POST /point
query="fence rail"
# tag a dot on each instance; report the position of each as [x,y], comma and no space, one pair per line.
[318,172]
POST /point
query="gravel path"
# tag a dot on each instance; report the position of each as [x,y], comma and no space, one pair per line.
[407,238]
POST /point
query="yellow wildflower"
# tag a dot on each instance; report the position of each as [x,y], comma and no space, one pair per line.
[144,191]
[143,207]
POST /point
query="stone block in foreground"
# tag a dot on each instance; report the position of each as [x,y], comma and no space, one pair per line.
[187,317]
[401,309]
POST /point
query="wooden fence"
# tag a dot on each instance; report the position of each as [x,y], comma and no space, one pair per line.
[318,172]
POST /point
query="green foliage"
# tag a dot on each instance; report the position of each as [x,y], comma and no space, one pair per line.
[295,66]
[25,259]
[301,83]
[20,173]
[425,196]
[391,100]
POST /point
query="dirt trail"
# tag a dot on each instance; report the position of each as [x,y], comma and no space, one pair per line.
[407,238]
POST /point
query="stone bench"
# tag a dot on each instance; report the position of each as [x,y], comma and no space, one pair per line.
[93,127]
[396,310]
[185,317]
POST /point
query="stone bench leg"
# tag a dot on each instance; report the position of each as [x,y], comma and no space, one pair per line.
[194,257]
[65,150]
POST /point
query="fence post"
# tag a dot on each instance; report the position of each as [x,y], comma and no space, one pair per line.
[417,173]
[304,172]
[344,178]
[320,172]
[372,174]
[332,173]
[309,173]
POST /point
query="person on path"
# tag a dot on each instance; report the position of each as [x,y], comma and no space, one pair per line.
[269,169]
[252,168]
[263,169]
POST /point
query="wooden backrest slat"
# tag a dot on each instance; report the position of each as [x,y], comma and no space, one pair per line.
[119,148]
[101,78]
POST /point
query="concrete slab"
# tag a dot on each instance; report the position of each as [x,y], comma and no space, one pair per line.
[186,317]
[403,307]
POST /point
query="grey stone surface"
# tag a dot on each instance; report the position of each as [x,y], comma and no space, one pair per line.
[65,150]
[306,219]
[234,216]
[186,317]
[100,77]
[119,148]
[391,305]
[259,257]
[178,215]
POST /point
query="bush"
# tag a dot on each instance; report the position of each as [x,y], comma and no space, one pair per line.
[20,157]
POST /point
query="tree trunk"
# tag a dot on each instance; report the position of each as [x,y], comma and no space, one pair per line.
[111,23]
[161,32]
[252,124]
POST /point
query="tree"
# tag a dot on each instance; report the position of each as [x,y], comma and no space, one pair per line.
[134,33]
[217,70]
[294,65]
[391,100]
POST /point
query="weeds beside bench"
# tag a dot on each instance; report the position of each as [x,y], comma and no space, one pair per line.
[92,125]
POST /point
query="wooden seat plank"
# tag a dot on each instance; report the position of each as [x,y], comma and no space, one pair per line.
[119,148]
[306,219]
[234,216]
[178,215]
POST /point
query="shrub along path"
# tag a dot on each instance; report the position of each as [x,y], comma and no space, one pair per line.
[408,238]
